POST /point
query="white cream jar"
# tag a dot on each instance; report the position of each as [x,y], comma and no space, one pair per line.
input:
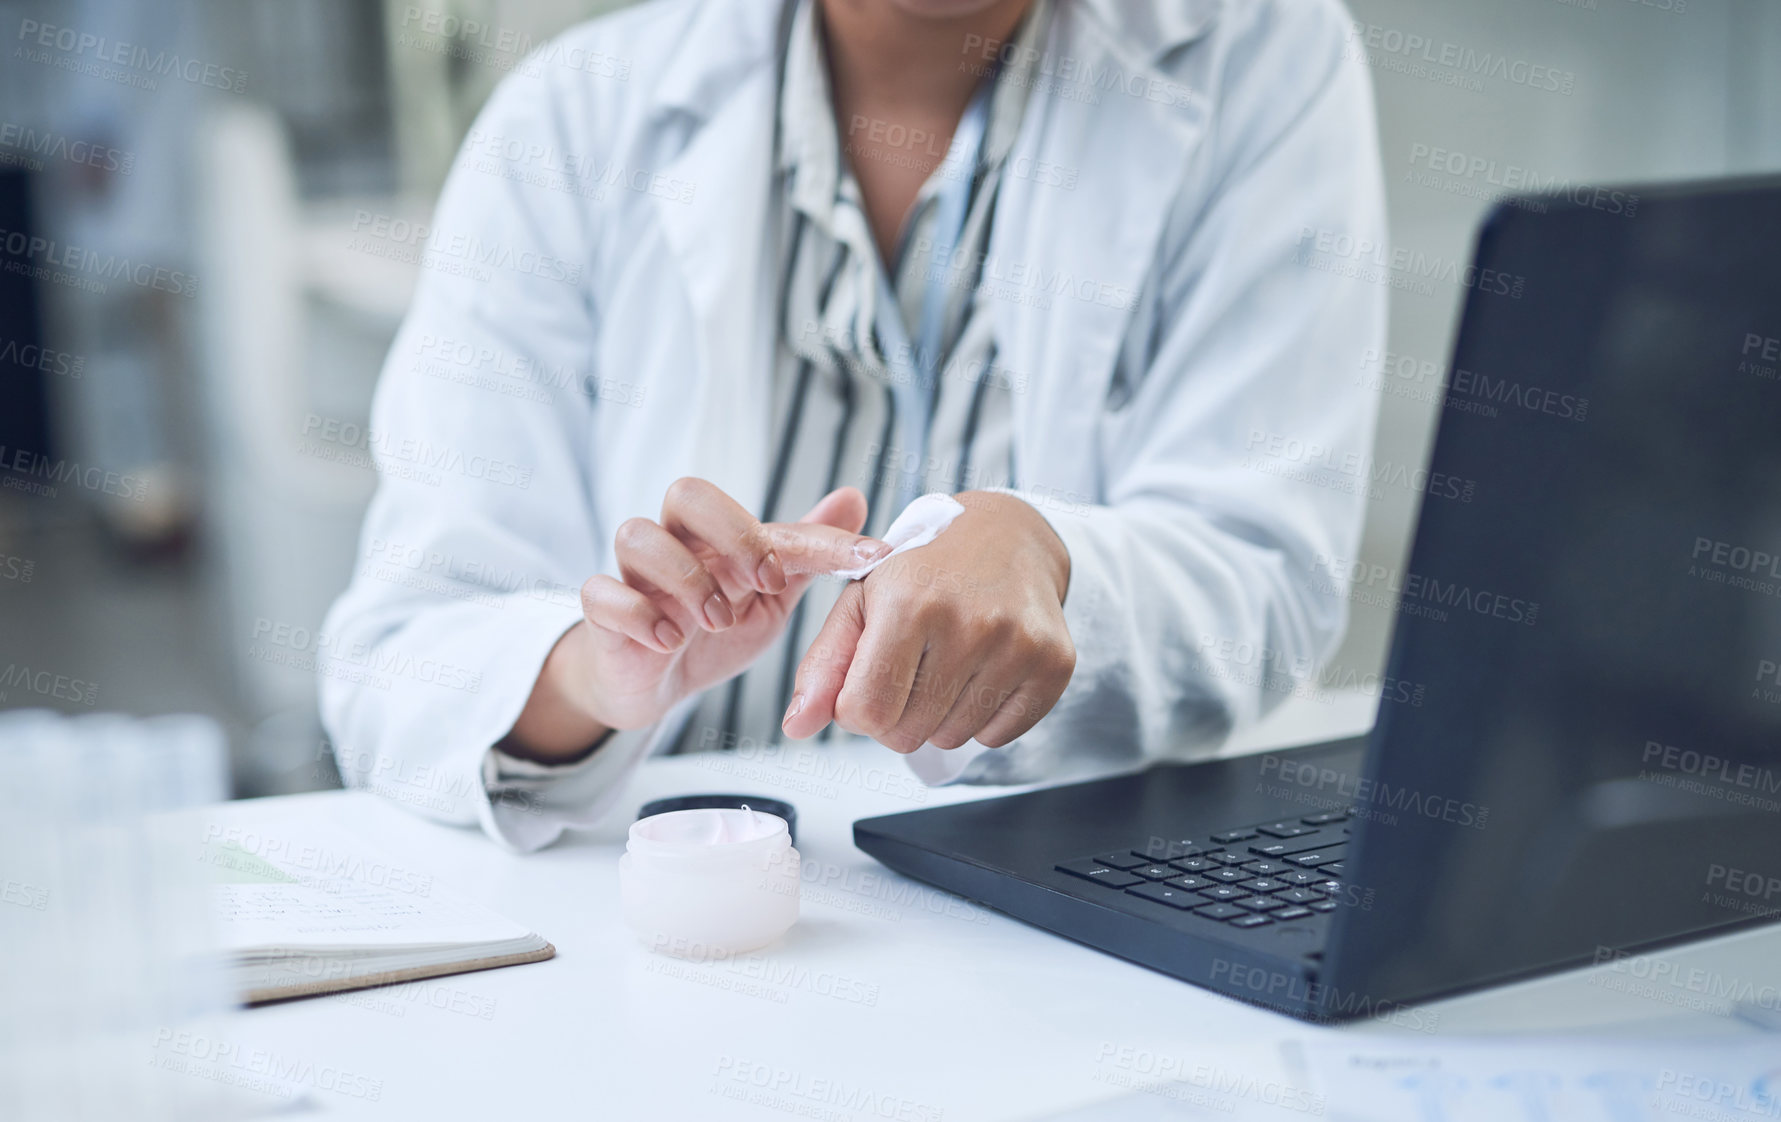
[698,883]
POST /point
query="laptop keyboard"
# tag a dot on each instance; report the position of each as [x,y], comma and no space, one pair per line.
[1251,876]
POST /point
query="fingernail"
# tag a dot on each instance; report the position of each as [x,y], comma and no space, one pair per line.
[668,635]
[867,551]
[792,710]
[770,575]
[717,612]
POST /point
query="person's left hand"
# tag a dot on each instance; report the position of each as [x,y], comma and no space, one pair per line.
[962,638]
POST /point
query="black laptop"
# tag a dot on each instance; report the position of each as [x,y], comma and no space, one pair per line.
[1586,759]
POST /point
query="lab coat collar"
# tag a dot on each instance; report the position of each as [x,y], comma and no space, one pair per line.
[1074,261]
[1091,247]
[721,240]
[724,46]
[1153,31]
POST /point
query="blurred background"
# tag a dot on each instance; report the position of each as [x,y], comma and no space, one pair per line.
[190,332]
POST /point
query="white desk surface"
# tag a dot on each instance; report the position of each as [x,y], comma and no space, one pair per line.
[938,1008]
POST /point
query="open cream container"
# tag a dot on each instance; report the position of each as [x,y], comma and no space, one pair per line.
[697,883]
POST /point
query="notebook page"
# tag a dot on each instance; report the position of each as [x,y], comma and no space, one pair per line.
[327,890]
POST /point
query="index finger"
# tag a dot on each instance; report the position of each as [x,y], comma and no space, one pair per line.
[698,512]
[812,547]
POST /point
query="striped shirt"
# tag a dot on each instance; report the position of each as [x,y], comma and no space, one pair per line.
[847,381]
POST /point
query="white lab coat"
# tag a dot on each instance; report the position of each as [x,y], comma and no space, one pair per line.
[596,320]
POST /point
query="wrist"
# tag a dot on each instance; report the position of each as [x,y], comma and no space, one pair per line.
[1040,547]
[570,668]
[560,723]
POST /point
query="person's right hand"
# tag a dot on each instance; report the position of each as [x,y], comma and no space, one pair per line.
[701,593]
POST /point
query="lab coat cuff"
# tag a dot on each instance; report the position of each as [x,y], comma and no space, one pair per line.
[528,630]
[512,769]
[938,767]
[530,805]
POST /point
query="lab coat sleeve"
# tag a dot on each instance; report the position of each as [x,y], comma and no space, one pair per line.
[1206,576]
[481,531]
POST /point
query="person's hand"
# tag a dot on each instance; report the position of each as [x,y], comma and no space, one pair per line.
[700,594]
[962,638]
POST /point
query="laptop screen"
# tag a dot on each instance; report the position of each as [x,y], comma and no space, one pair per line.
[1596,763]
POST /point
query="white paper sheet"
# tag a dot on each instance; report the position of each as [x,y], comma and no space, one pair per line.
[1556,1080]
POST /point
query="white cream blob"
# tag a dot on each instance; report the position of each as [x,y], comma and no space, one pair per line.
[920,523]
